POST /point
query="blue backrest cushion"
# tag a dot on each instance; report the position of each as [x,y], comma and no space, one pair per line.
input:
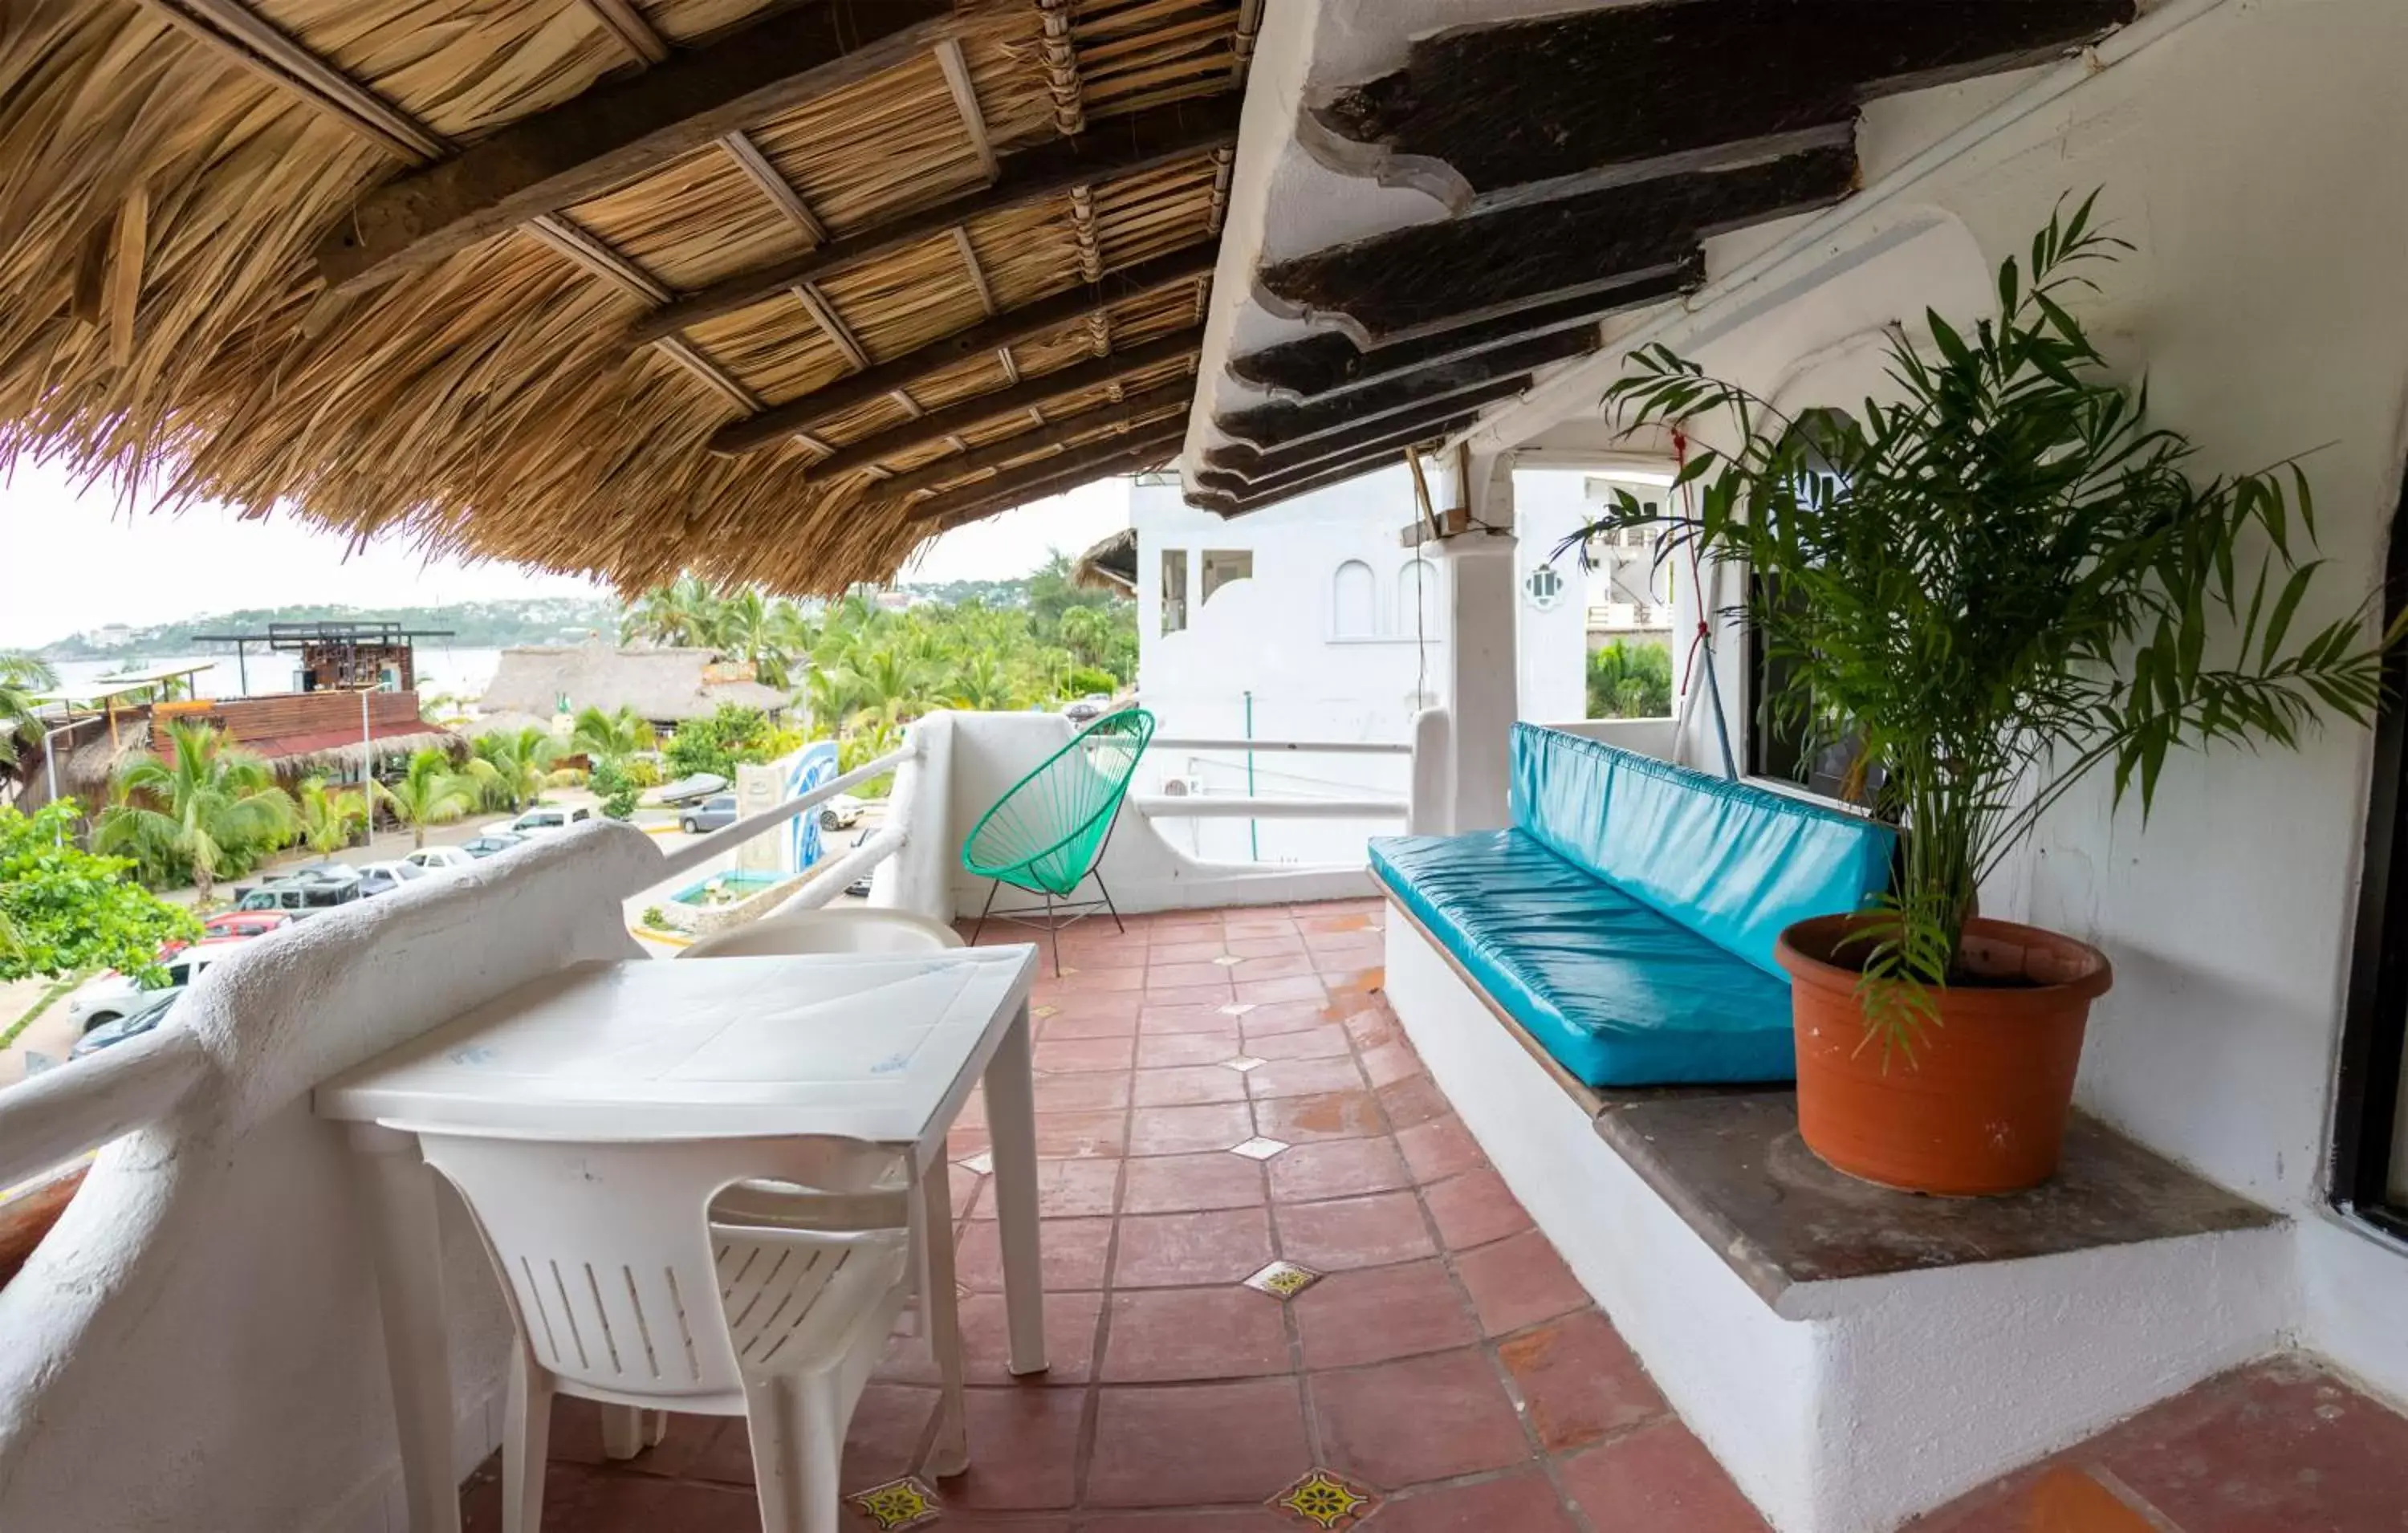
[1732,862]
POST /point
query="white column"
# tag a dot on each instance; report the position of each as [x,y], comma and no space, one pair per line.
[1482,680]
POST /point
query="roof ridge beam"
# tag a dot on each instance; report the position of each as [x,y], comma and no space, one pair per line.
[1012,327]
[1117,147]
[621,129]
[1147,408]
[1268,430]
[1068,471]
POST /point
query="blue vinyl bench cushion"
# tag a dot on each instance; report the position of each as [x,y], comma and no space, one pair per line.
[1620,993]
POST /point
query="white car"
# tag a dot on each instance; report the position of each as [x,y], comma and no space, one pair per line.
[383,878]
[841,812]
[114,994]
[542,820]
[441,859]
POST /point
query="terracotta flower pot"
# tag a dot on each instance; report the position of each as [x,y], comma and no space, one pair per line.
[1981,1107]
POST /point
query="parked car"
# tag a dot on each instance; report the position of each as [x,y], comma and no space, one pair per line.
[691,790]
[542,820]
[710,814]
[114,994]
[490,842]
[1086,708]
[231,926]
[383,878]
[134,1024]
[442,859]
[305,894]
[841,811]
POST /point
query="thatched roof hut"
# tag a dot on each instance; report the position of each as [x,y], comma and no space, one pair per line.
[1109,566]
[665,686]
[768,291]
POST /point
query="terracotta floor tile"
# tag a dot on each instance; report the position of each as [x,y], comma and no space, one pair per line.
[1186,1250]
[1338,1168]
[1205,975]
[1187,997]
[1322,1040]
[1270,945]
[1192,1183]
[1390,1063]
[1188,1086]
[1069,1343]
[1120,1023]
[1580,1381]
[1075,981]
[1382,1312]
[1348,920]
[1258,926]
[610,1501]
[1330,1115]
[1415,1100]
[1183,926]
[1194,1336]
[1070,1055]
[1373,1027]
[1155,1021]
[1474,1208]
[1269,1020]
[1301,987]
[1078,1136]
[1657,1478]
[1518,1281]
[1183,1130]
[1098,1091]
[1305,1077]
[1221,1520]
[1185,953]
[1073,1252]
[1420,1419]
[1374,1231]
[1065,1189]
[1440,1149]
[1110,950]
[881,1442]
[1193,1046]
[1523,1503]
[1196,1444]
[1023,1450]
[1096,1003]
[1283,966]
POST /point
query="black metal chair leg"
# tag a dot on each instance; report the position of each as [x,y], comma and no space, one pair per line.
[1052,934]
[993,889]
[1109,908]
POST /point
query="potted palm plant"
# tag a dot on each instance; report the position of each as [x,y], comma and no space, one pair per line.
[1984,591]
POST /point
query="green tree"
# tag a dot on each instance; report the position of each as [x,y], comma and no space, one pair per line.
[512,766]
[21,677]
[211,811]
[685,611]
[328,820]
[611,738]
[64,909]
[1631,681]
[728,737]
[429,792]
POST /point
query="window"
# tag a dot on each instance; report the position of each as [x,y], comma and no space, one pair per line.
[1417,599]
[1174,590]
[1221,566]
[1353,602]
[2369,1156]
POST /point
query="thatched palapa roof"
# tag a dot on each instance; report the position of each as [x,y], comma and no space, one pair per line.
[1110,564]
[766,291]
[662,685]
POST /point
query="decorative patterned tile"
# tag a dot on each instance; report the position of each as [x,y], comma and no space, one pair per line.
[905,1503]
[1237,1008]
[980,1164]
[1284,1280]
[1326,1501]
[1258,1147]
[1244,1063]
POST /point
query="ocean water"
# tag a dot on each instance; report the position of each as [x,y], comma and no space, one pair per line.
[464,673]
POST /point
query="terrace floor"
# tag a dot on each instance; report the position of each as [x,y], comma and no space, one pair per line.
[1442,1371]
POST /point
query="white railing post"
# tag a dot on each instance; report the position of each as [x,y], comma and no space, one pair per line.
[1432,800]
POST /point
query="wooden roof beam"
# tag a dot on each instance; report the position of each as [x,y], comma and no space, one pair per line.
[1147,408]
[630,30]
[1051,476]
[1259,497]
[956,70]
[937,425]
[620,129]
[1248,466]
[1012,328]
[1120,146]
[1267,429]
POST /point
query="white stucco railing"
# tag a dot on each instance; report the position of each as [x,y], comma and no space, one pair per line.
[728,838]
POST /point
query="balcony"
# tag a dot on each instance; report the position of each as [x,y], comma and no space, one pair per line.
[1226,1086]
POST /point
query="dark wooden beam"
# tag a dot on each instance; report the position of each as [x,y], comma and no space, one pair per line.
[621,129]
[1482,113]
[1329,363]
[1010,328]
[1222,502]
[1053,476]
[1120,146]
[1268,428]
[1254,465]
[937,425]
[1433,277]
[1138,413]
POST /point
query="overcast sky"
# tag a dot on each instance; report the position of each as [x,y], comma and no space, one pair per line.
[70,561]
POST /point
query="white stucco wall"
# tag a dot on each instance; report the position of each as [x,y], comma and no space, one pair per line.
[2247,158]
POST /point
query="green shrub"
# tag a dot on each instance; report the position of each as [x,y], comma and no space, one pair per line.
[1631,681]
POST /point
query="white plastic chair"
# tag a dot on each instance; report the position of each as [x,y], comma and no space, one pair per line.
[859,930]
[624,1292]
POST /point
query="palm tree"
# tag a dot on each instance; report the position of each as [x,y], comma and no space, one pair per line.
[328,821]
[611,738]
[685,611]
[891,687]
[214,807]
[982,685]
[21,677]
[513,766]
[430,793]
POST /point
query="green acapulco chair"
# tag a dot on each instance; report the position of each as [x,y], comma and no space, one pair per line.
[1049,832]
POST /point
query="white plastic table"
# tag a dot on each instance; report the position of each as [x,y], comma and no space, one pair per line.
[879,1048]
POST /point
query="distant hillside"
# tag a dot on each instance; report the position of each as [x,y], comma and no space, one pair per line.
[476,624]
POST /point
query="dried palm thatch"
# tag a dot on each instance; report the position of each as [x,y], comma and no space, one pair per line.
[172,173]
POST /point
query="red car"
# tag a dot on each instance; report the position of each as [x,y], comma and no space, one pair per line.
[233,926]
